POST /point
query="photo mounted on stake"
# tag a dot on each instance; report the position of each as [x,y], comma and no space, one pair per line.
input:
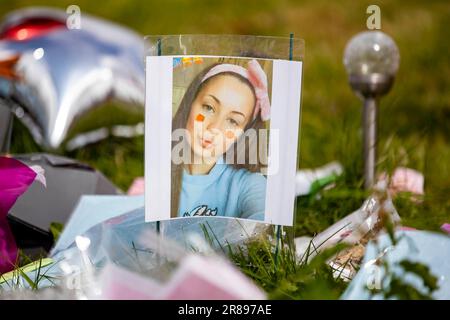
[215,140]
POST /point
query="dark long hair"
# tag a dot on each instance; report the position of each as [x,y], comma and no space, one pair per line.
[180,121]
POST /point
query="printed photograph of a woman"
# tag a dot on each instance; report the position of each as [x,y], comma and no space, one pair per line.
[221,106]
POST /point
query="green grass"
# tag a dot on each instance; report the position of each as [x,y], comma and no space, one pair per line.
[414,119]
[283,276]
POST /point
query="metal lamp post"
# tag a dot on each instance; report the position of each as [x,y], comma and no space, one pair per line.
[371,59]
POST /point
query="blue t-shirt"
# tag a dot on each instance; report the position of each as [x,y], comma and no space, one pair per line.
[225,191]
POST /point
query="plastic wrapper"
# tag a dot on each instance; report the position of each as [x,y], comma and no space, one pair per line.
[157,268]
[115,239]
[123,258]
[351,228]
[430,249]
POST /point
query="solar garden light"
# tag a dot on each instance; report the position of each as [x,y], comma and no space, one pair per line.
[371,59]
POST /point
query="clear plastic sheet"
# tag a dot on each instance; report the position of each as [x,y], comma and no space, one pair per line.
[428,248]
[123,258]
[351,228]
[285,48]
[125,240]
[226,45]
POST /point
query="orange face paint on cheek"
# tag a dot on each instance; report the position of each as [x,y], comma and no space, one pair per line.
[200,117]
[229,134]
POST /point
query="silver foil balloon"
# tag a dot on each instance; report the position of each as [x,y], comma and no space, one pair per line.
[64,73]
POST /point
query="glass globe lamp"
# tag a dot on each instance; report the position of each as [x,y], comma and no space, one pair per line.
[371,59]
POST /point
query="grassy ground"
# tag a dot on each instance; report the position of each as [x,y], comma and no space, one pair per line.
[414,123]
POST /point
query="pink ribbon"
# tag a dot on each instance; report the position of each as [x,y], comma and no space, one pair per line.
[15,178]
[257,77]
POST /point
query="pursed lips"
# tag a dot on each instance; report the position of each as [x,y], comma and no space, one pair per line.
[205,143]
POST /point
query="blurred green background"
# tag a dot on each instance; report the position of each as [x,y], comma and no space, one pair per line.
[414,119]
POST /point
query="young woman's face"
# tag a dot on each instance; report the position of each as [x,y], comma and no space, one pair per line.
[219,115]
